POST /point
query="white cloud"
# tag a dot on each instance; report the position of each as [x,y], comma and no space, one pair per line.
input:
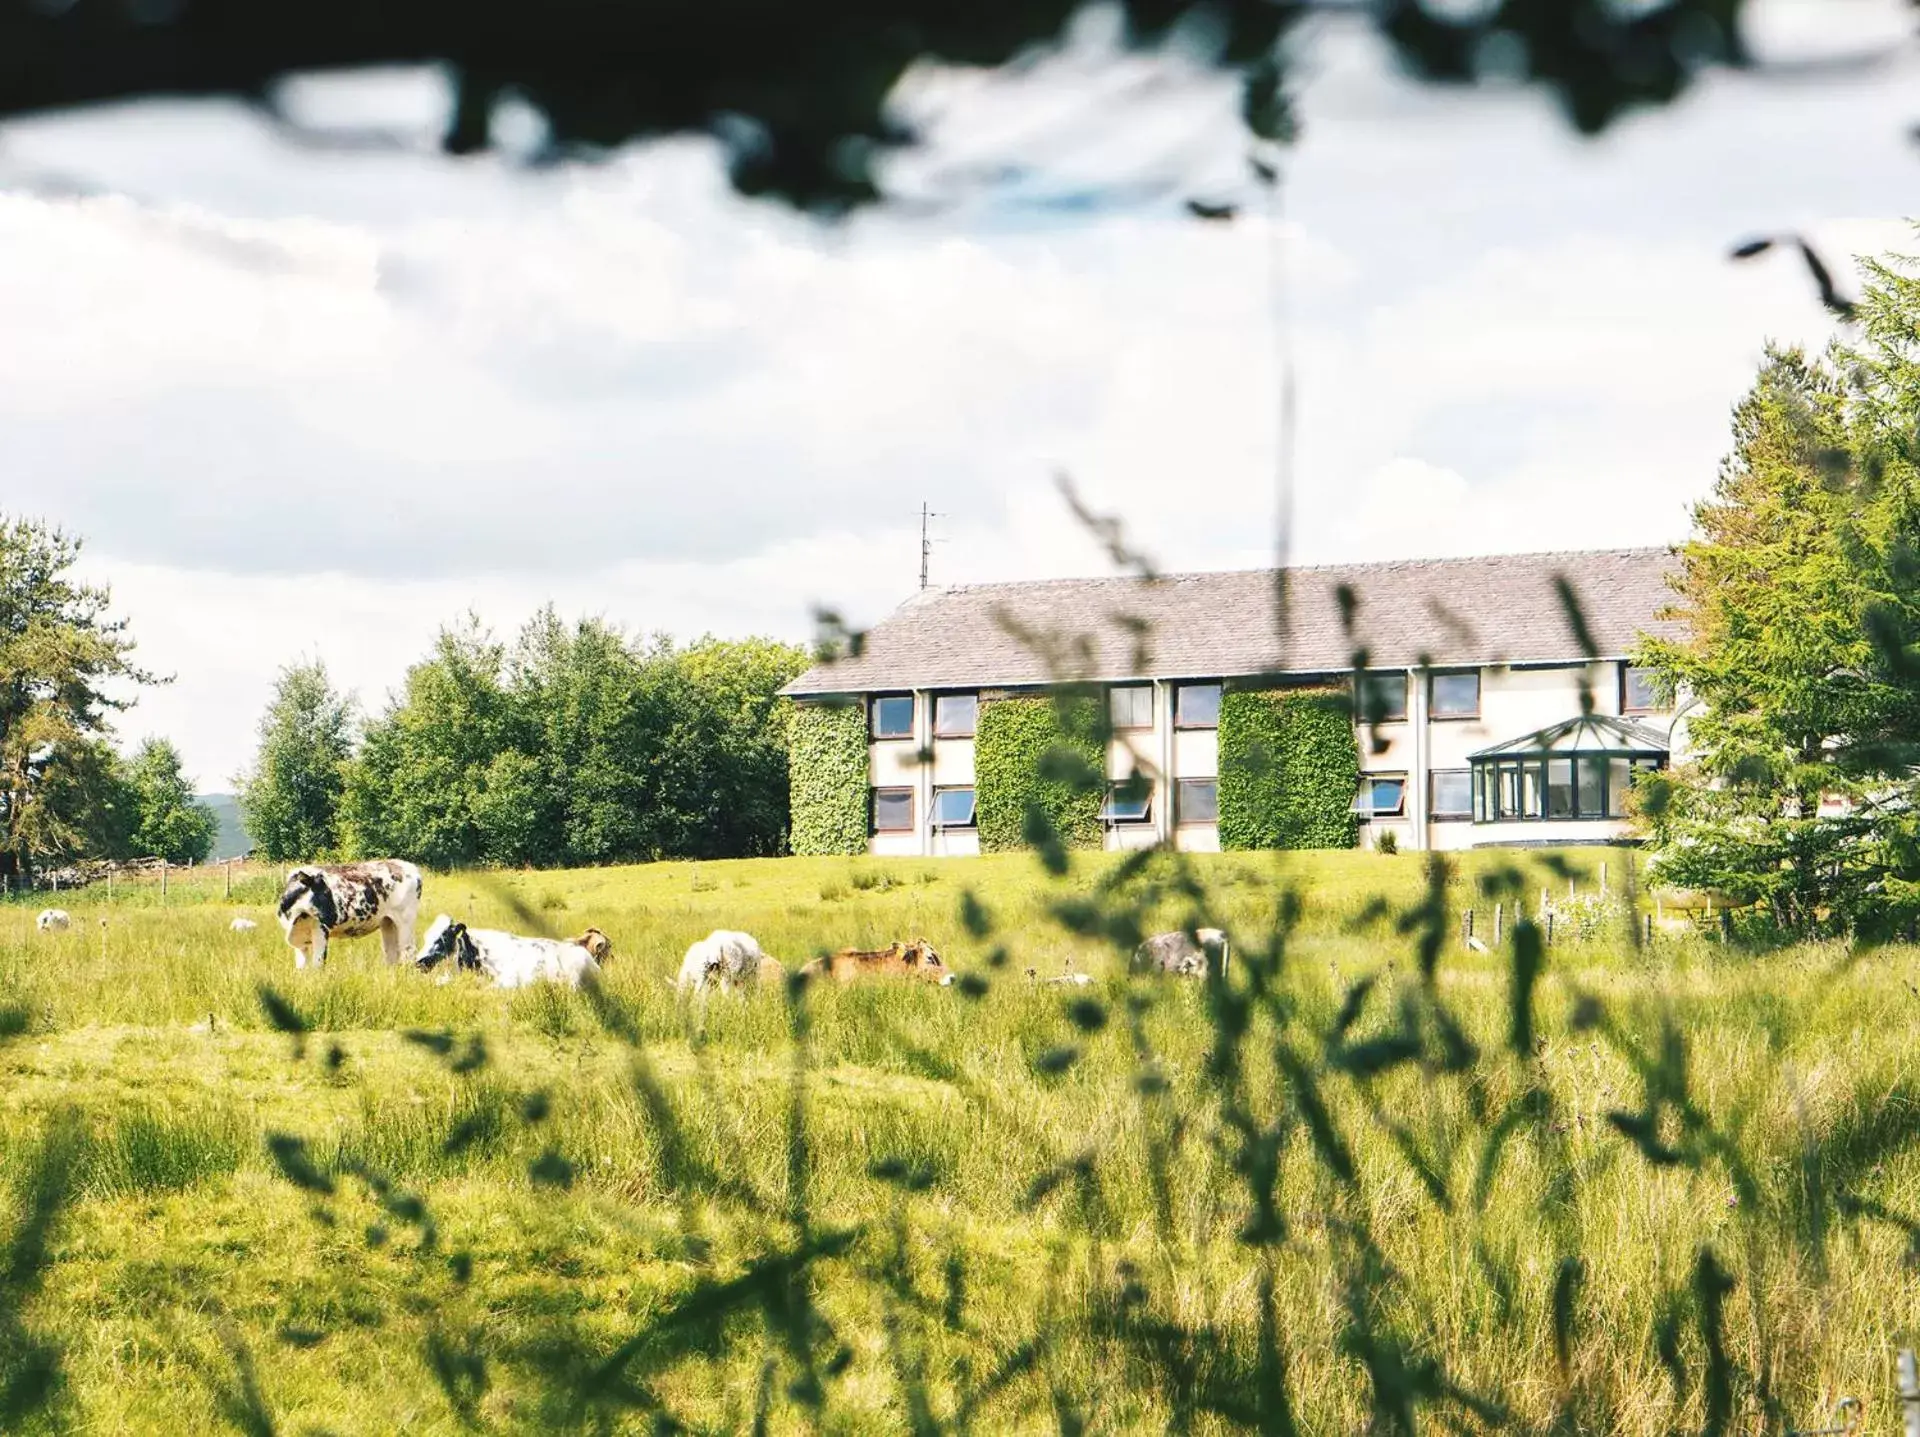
[321,405]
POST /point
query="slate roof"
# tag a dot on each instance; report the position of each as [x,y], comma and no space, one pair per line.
[1466,612]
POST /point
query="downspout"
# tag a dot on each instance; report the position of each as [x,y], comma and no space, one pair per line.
[1420,775]
[1163,740]
[923,781]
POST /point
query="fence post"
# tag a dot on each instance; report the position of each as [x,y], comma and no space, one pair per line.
[1549,928]
[109,883]
[1603,880]
[229,880]
[163,882]
[1910,1392]
[1648,918]
[1726,925]
[1499,914]
[1466,927]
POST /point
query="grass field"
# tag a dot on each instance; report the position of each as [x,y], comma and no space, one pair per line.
[1132,1206]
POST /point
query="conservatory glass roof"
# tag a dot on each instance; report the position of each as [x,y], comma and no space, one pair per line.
[1589,733]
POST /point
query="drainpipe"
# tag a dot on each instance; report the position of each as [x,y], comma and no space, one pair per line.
[923,779]
[1163,741]
[1417,711]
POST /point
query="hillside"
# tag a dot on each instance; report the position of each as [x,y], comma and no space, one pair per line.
[233,841]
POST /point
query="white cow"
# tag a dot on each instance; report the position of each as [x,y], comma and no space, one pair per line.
[510,960]
[727,960]
[350,901]
[243,925]
[53,920]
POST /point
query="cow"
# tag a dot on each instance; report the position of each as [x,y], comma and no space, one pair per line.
[53,920]
[898,960]
[510,960]
[1180,954]
[1060,980]
[243,925]
[727,960]
[350,901]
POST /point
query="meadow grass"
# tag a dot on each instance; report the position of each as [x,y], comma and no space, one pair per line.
[442,1208]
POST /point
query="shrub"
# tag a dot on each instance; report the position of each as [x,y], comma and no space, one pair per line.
[1038,758]
[1388,842]
[1289,766]
[828,768]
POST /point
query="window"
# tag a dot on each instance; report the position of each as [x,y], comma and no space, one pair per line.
[1129,801]
[1450,793]
[1196,706]
[1383,698]
[954,715]
[1639,690]
[1591,800]
[1197,800]
[1382,795]
[893,716]
[1559,788]
[1131,707]
[893,810]
[952,808]
[1455,696]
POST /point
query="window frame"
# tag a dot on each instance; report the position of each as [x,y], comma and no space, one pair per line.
[1533,773]
[1220,693]
[1152,704]
[1367,780]
[1433,680]
[972,729]
[873,809]
[873,717]
[1180,785]
[1365,679]
[1437,814]
[973,816]
[1627,670]
[1145,815]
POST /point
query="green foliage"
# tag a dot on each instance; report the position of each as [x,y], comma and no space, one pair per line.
[1289,766]
[291,798]
[828,768]
[168,823]
[1039,772]
[577,746]
[1800,592]
[60,651]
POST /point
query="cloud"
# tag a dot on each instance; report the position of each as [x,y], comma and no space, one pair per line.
[321,404]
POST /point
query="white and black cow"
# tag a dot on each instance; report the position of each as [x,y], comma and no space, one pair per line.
[510,960]
[53,920]
[1179,954]
[350,901]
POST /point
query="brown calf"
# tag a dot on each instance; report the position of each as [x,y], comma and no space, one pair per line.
[898,960]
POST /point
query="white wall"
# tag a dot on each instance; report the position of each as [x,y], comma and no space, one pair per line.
[1513,702]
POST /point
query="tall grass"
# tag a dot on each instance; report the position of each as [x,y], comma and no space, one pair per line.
[1367,1179]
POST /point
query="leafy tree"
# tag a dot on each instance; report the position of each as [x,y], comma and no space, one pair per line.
[1801,594]
[414,790]
[168,823]
[291,798]
[807,90]
[59,652]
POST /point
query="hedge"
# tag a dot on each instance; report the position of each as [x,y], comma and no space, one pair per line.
[1039,754]
[827,778]
[1289,769]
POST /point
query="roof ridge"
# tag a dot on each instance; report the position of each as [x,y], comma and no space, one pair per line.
[1175,576]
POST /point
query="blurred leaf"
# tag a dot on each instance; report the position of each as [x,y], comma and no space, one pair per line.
[290,1155]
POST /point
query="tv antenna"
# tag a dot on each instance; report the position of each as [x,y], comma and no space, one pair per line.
[927,541]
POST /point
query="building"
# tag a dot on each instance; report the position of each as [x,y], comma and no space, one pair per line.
[1484,717]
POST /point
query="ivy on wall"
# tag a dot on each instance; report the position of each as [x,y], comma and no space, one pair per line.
[1038,758]
[1289,768]
[827,768]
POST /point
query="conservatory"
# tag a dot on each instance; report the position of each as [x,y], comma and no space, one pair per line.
[1578,771]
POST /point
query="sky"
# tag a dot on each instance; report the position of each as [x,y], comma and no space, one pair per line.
[308,404]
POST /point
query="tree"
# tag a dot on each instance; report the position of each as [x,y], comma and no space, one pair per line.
[807,90]
[59,652]
[168,823]
[415,789]
[291,797]
[1801,595]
